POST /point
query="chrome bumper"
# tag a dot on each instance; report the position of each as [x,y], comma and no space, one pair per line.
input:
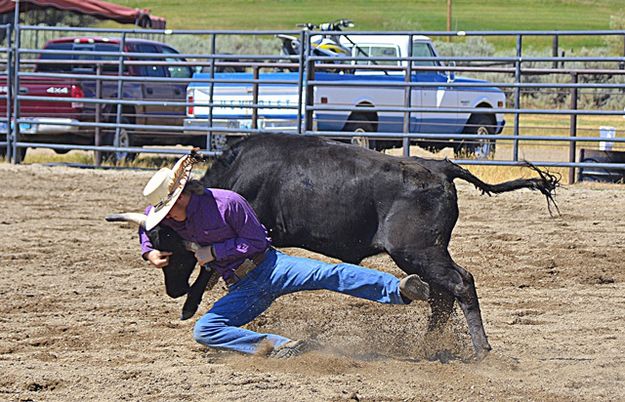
[44,125]
[197,125]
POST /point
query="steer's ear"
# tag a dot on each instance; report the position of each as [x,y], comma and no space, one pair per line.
[132,217]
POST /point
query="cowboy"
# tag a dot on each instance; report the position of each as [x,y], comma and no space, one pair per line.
[234,243]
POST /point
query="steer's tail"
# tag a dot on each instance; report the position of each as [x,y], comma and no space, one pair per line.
[546,183]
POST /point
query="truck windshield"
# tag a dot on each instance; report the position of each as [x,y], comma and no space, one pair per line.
[90,53]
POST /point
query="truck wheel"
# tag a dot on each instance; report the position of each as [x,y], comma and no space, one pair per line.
[219,141]
[125,140]
[359,123]
[20,151]
[479,124]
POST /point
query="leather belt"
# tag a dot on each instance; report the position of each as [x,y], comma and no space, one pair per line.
[247,266]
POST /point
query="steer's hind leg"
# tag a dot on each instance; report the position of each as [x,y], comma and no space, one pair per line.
[450,281]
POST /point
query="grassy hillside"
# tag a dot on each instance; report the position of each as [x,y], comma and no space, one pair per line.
[427,15]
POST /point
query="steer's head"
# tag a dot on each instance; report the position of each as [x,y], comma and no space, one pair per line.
[181,262]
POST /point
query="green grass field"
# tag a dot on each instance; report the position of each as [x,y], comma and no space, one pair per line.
[413,15]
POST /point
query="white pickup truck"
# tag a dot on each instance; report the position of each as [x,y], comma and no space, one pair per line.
[278,99]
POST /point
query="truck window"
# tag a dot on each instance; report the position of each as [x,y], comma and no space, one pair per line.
[61,67]
[90,53]
[176,71]
[375,51]
[150,71]
[421,49]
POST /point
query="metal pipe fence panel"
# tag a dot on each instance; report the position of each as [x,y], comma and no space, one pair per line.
[5,93]
[115,92]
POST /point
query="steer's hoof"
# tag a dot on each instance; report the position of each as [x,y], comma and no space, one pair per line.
[482,353]
[186,314]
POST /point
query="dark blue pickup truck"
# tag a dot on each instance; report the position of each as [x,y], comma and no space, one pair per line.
[54,122]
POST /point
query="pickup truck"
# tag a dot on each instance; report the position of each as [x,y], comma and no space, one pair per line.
[52,122]
[277,89]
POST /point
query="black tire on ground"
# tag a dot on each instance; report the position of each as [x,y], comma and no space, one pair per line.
[125,140]
[219,141]
[21,153]
[359,123]
[481,124]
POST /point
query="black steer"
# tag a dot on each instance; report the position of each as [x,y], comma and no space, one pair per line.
[350,203]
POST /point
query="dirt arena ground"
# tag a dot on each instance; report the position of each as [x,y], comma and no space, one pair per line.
[83,318]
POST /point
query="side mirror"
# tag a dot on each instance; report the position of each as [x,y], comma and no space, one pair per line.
[451,75]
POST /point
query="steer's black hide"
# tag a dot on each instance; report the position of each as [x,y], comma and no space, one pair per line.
[179,269]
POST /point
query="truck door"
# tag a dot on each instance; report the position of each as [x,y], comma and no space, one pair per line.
[158,114]
[178,90]
[435,97]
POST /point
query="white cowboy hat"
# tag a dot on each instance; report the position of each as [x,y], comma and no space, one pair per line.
[164,188]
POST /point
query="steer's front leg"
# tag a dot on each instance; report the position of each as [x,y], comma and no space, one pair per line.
[205,280]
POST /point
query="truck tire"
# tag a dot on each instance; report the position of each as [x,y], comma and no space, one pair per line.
[219,141]
[125,140]
[20,151]
[480,124]
[359,123]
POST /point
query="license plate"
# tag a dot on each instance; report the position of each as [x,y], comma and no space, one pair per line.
[25,126]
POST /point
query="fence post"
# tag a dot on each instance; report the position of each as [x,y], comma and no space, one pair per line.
[621,65]
[300,81]
[9,99]
[120,90]
[573,129]
[407,100]
[310,95]
[15,127]
[255,76]
[98,114]
[209,134]
[554,50]
[517,97]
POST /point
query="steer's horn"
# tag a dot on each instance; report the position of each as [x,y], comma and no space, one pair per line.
[133,217]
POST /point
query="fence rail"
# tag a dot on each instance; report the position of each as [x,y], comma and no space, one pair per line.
[112,111]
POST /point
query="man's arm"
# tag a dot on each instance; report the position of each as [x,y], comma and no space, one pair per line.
[251,235]
[157,258]
[144,240]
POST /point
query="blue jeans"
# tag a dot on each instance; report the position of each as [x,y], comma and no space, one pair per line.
[277,275]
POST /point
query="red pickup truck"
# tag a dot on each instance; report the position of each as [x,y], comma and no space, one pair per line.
[41,114]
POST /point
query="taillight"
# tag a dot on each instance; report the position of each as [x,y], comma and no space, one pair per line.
[190,110]
[76,92]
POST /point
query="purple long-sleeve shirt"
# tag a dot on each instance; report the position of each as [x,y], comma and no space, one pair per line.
[223,219]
